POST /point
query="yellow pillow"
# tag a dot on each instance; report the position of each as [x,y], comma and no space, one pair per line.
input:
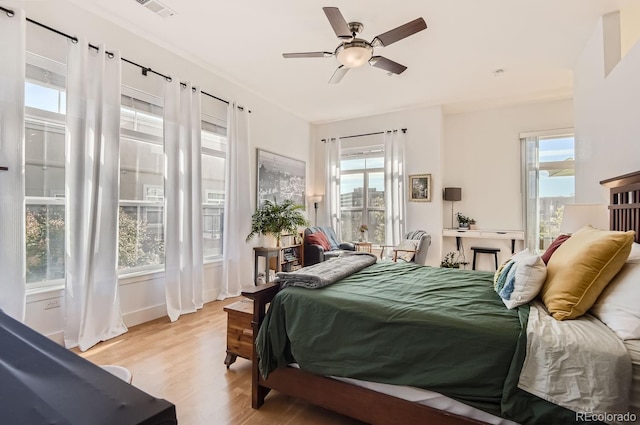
[581,268]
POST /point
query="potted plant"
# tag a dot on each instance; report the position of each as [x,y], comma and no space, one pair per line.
[472,224]
[463,221]
[449,261]
[274,218]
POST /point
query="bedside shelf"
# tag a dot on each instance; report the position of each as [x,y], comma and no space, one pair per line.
[289,257]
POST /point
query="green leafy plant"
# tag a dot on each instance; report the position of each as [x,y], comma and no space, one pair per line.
[452,261]
[137,244]
[274,218]
[462,219]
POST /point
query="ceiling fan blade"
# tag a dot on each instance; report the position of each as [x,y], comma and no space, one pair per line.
[387,64]
[338,74]
[338,22]
[397,34]
[307,55]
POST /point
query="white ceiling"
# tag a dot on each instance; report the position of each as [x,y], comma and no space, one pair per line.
[450,63]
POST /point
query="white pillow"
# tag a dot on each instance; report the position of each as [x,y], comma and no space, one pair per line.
[408,244]
[634,255]
[619,304]
[520,279]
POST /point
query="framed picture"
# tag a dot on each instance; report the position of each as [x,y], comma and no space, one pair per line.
[280,178]
[420,187]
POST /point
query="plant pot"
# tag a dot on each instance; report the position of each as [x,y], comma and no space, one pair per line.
[473,227]
[464,226]
[269,241]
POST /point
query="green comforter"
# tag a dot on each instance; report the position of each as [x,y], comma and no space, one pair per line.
[398,323]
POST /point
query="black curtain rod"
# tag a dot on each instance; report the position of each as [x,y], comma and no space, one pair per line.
[404,130]
[145,70]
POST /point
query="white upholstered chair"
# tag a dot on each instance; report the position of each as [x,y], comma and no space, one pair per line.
[413,248]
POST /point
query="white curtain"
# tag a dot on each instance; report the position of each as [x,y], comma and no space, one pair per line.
[12,210]
[183,199]
[332,183]
[91,178]
[237,256]
[394,190]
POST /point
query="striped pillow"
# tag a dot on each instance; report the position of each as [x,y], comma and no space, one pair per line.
[520,278]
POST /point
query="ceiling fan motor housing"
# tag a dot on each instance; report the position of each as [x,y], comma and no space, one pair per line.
[354,53]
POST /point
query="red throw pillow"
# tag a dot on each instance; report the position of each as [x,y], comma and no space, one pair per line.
[319,238]
[552,248]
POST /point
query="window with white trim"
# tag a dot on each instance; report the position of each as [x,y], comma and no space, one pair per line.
[549,184]
[45,107]
[362,193]
[141,215]
[214,153]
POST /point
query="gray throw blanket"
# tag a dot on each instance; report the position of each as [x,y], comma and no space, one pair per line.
[325,273]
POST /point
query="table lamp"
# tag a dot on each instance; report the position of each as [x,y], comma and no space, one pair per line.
[576,216]
[452,194]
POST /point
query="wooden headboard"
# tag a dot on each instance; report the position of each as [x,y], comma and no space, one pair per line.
[624,202]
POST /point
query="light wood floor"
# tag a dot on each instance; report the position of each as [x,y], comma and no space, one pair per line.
[182,362]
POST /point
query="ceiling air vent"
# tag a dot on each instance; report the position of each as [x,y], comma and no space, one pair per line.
[157,7]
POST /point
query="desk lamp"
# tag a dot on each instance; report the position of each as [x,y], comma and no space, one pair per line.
[452,194]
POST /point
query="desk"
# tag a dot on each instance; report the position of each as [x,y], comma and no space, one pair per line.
[485,234]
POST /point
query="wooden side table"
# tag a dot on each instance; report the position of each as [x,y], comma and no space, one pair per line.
[363,246]
[268,254]
[239,331]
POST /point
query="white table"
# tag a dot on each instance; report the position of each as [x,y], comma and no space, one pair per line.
[485,234]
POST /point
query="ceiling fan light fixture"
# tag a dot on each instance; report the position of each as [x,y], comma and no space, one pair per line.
[354,54]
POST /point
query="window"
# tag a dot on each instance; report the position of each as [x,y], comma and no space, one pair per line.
[141,216]
[549,179]
[214,151]
[45,106]
[141,205]
[362,193]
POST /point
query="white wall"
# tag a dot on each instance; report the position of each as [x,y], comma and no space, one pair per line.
[272,128]
[422,153]
[607,118]
[478,151]
[481,154]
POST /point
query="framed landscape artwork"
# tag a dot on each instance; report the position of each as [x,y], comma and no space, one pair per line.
[420,187]
[280,178]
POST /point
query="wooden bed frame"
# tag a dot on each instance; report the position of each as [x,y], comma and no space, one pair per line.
[377,408]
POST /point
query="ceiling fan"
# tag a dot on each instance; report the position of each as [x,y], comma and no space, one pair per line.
[354,52]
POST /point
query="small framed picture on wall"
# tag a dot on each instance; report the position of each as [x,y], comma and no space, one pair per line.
[420,187]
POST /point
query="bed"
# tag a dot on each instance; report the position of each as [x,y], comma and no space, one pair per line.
[300,371]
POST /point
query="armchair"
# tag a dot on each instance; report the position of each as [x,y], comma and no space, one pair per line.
[413,248]
[321,243]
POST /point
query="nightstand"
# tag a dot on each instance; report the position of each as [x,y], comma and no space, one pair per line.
[239,331]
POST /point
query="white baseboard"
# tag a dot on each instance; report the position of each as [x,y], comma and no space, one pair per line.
[144,315]
[211,295]
[57,337]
